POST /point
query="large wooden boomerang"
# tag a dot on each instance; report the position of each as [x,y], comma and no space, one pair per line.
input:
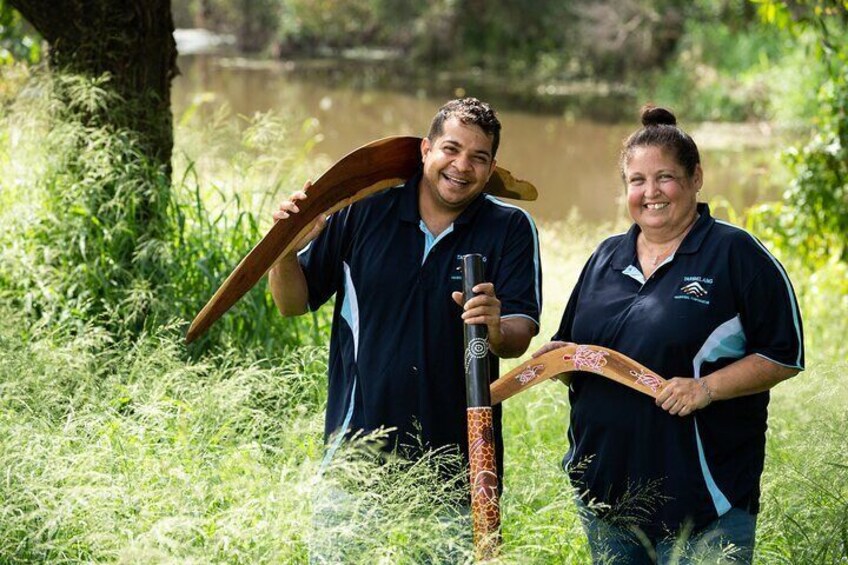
[571,358]
[373,167]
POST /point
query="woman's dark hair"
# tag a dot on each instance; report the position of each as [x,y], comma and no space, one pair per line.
[469,111]
[659,129]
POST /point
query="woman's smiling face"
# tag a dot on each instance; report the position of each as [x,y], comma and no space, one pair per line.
[661,197]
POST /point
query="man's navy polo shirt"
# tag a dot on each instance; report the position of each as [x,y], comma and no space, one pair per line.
[720,297]
[396,350]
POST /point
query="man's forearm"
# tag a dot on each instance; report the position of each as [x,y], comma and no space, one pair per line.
[288,286]
[514,338]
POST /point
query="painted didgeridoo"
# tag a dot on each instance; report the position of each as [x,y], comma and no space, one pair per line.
[483,472]
[371,168]
[571,358]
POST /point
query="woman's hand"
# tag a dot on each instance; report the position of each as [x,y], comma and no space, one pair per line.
[564,378]
[681,396]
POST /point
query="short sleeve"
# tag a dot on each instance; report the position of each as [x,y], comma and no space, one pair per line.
[518,281]
[770,315]
[322,259]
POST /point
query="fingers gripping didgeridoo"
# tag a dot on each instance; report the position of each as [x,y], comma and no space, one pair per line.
[483,472]
[571,358]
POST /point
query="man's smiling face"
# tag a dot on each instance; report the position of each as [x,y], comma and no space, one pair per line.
[457,165]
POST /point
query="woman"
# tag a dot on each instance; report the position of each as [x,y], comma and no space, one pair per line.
[705,305]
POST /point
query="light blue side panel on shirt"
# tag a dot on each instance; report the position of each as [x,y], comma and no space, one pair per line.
[350,314]
[726,342]
[796,316]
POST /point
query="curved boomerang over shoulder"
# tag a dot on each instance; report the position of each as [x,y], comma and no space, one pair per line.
[371,168]
[571,358]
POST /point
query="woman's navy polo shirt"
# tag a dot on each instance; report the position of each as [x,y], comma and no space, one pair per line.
[720,297]
[396,350]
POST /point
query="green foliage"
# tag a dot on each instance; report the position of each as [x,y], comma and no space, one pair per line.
[254,23]
[730,66]
[332,23]
[708,59]
[96,246]
[122,451]
[512,33]
[18,41]
[813,219]
[94,231]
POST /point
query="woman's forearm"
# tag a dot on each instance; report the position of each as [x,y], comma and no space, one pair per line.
[749,375]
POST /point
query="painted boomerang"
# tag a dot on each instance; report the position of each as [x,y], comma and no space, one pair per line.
[570,358]
[373,167]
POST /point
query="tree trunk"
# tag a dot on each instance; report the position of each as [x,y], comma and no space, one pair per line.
[133,41]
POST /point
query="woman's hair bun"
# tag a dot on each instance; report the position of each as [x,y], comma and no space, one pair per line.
[655,116]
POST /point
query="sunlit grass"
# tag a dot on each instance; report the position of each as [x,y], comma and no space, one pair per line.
[127,448]
[124,451]
[804,515]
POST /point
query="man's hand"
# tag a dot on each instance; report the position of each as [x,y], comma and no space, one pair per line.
[289,207]
[485,308]
[285,277]
[507,338]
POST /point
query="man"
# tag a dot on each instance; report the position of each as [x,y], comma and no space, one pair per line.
[396,349]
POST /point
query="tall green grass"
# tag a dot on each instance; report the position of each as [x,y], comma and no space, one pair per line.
[95,231]
[124,451]
[122,446]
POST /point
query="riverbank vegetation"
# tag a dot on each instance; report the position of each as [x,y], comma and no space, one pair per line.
[709,59]
[119,444]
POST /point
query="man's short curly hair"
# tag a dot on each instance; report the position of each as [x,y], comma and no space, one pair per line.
[469,111]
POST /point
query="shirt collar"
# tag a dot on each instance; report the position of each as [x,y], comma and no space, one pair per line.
[625,254]
[409,203]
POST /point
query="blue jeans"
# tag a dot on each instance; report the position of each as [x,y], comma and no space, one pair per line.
[729,539]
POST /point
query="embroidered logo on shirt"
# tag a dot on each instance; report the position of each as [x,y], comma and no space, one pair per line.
[695,288]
